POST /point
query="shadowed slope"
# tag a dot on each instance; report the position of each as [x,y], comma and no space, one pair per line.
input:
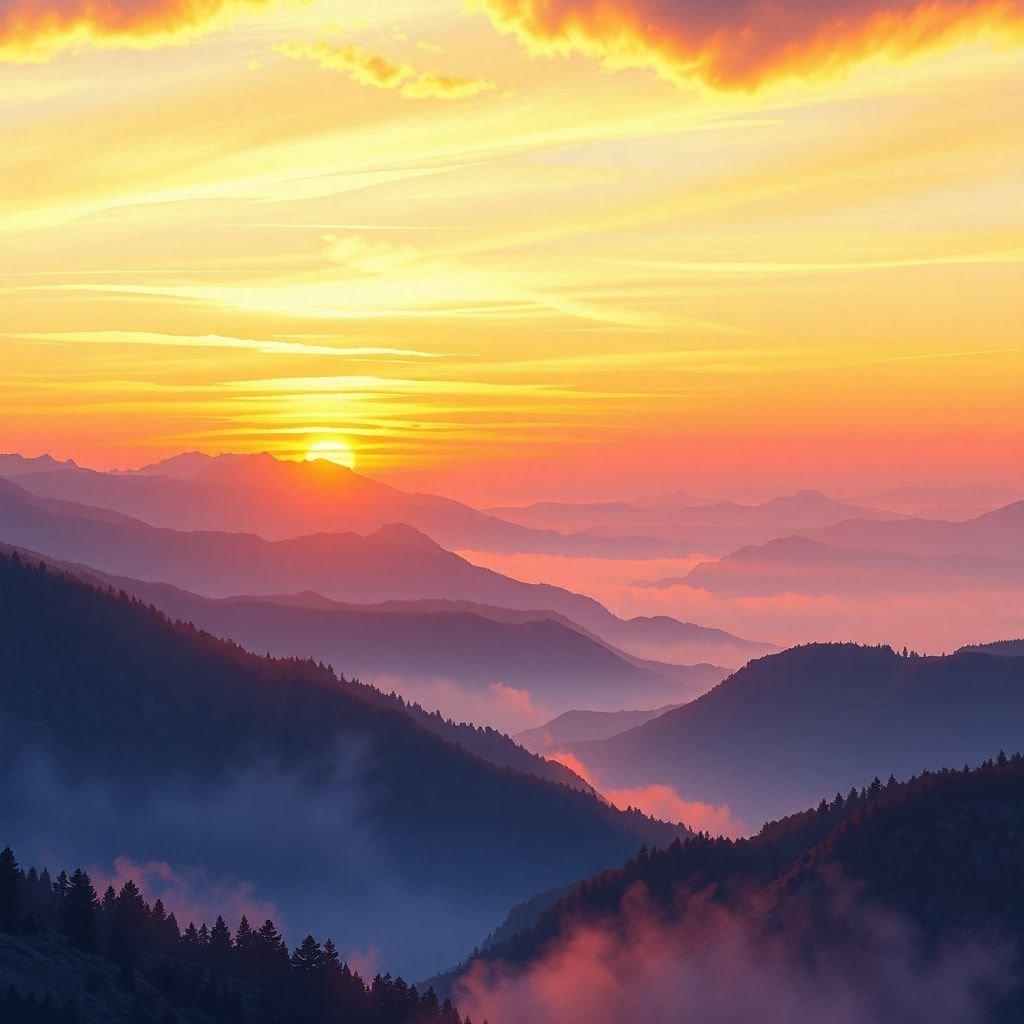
[816,719]
[136,712]
[394,563]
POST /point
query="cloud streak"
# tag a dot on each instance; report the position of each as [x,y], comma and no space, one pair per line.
[745,43]
[262,346]
[381,72]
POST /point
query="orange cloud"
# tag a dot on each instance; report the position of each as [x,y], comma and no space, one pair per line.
[743,43]
[659,801]
[663,802]
[574,764]
[32,29]
[382,73]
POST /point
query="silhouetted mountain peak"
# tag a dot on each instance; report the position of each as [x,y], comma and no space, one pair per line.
[13,464]
[1008,515]
[181,467]
[407,536]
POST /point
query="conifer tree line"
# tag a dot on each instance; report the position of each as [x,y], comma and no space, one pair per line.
[243,977]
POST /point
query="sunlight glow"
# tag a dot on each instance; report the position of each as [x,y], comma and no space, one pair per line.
[332,451]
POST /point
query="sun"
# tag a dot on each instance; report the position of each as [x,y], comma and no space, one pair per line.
[332,451]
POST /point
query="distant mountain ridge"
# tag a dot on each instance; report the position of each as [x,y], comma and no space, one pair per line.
[394,563]
[1000,648]
[959,501]
[701,527]
[126,703]
[577,726]
[803,565]
[281,500]
[995,534]
[264,634]
[861,556]
[815,719]
[542,655]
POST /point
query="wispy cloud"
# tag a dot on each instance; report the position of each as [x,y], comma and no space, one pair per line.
[380,72]
[264,346]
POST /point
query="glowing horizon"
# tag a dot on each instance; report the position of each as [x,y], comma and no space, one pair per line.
[480,246]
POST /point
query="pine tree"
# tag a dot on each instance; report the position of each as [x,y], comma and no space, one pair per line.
[130,924]
[331,959]
[244,938]
[272,951]
[158,915]
[220,947]
[46,887]
[78,912]
[308,958]
[430,1007]
[10,891]
[60,887]
[171,933]
[190,948]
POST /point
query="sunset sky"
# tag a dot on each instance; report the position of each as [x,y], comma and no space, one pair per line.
[699,243]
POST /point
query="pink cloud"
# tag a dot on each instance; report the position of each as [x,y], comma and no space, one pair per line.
[702,964]
[188,892]
[574,764]
[662,801]
[659,800]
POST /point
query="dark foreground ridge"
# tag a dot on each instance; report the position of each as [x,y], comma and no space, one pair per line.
[940,853]
[68,957]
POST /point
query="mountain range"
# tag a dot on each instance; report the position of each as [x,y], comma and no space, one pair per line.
[405,644]
[861,556]
[576,726]
[802,565]
[280,500]
[129,736]
[816,719]
[962,501]
[710,528]
[394,563]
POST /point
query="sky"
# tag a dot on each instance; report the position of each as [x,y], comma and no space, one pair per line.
[517,249]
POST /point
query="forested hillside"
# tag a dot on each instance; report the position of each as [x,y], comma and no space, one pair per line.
[128,709]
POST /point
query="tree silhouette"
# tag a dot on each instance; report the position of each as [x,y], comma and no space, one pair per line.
[171,977]
[309,957]
[130,924]
[78,912]
[220,948]
[10,891]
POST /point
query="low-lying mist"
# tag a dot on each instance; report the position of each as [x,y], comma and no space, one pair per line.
[931,622]
[661,801]
[775,964]
[263,843]
[508,709]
